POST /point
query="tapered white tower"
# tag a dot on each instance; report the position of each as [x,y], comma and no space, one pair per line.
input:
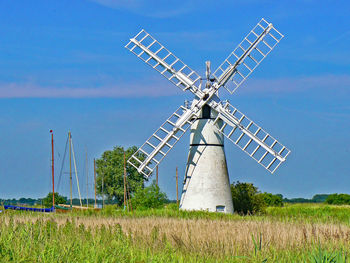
[206,184]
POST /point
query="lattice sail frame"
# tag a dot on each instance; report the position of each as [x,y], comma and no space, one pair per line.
[248,55]
[236,67]
[144,46]
[250,137]
[162,141]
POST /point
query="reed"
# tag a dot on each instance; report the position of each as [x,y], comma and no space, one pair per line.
[170,236]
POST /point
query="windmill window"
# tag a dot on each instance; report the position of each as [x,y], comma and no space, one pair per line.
[220,208]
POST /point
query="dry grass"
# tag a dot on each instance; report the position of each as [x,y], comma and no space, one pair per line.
[213,237]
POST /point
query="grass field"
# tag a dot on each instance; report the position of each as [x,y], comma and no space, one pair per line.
[294,233]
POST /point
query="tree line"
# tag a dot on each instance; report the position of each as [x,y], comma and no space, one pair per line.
[42,201]
[247,199]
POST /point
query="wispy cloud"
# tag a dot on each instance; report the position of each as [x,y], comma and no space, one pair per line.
[17,90]
[329,85]
[151,8]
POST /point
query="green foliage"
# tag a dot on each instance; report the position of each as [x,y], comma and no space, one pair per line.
[22,201]
[323,256]
[59,199]
[247,198]
[312,213]
[298,200]
[38,202]
[338,199]
[257,242]
[110,174]
[271,199]
[172,206]
[148,197]
[318,198]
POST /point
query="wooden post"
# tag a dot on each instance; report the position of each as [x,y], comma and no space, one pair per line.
[124,182]
[103,195]
[87,181]
[70,168]
[53,171]
[177,187]
[157,176]
[95,181]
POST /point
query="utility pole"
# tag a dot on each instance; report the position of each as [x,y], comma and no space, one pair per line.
[87,181]
[70,168]
[95,181]
[124,182]
[177,187]
[157,175]
[103,195]
[53,172]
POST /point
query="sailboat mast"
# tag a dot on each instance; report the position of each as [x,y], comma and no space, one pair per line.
[70,167]
[87,181]
[95,181]
[53,171]
[76,172]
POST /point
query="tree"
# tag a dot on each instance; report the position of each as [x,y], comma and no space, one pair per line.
[59,199]
[148,197]
[272,200]
[246,198]
[110,174]
[338,199]
[319,198]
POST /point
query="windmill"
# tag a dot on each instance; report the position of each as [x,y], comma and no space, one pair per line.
[206,183]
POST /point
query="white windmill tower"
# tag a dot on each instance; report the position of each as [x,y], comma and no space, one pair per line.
[206,184]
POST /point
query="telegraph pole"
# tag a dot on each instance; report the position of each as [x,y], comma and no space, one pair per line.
[157,175]
[53,171]
[177,187]
[87,181]
[95,181]
[103,195]
[124,182]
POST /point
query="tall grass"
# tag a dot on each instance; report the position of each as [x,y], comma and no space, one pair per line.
[312,213]
[316,213]
[290,234]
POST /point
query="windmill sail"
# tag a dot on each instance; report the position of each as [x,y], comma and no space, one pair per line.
[152,152]
[251,138]
[235,69]
[144,46]
[247,56]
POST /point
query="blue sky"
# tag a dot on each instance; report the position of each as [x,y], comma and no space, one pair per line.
[63,66]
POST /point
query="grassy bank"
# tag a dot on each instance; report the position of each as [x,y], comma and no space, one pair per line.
[313,213]
[295,233]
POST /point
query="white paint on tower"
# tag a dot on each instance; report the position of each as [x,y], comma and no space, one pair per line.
[206,185]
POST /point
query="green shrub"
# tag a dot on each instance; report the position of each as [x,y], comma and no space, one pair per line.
[247,198]
[148,197]
[271,199]
[338,199]
[59,199]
